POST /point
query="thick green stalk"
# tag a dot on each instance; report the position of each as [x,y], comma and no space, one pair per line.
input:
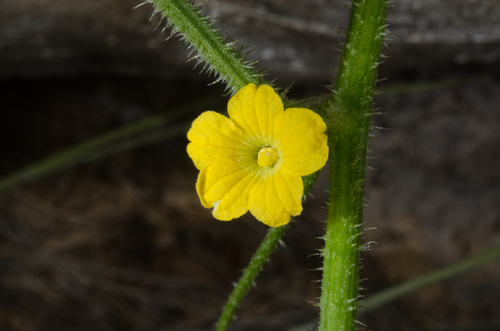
[434,277]
[218,54]
[348,128]
[256,263]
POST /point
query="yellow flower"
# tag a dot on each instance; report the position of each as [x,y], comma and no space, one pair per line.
[254,159]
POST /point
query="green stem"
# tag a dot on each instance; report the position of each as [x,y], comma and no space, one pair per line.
[433,277]
[348,127]
[106,144]
[219,55]
[413,285]
[256,263]
[249,274]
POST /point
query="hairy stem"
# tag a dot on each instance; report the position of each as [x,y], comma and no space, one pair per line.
[256,263]
[348,127]
[211,47]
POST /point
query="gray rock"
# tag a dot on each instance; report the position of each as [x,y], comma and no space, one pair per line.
[295,38]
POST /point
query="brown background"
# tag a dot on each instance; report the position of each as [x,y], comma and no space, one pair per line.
[122,243]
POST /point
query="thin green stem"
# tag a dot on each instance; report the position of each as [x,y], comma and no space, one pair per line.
[212,48]
[106,144]
[249,274]
[348,127]
[256,263]
[433,277]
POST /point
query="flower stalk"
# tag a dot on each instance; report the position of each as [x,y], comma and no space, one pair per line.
[348,124]
[210,46]
[253,269]
[348,120]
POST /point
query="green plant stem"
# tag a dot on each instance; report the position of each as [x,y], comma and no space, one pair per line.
[348,128]
[256,263]
[413,285]
[433,277]
[249,274]
[219,55]
[106,144]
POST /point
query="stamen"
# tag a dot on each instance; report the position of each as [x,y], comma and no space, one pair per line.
[267,157]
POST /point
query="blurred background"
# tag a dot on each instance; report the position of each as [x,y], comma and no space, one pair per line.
[117,239]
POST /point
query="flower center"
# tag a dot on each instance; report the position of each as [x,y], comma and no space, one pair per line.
[267,157]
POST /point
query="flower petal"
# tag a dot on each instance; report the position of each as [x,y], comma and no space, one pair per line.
[303,143]
[214,136]
[255,110]
[226,151]
[225,184]
[274,198]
